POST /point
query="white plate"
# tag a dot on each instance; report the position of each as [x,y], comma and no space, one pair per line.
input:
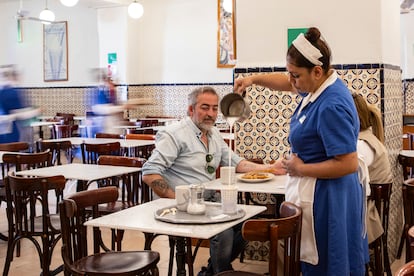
[269,176]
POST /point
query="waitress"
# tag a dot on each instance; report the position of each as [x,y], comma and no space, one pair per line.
[322,168]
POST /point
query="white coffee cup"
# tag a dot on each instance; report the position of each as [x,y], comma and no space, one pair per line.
[182,196]
[228,175]
[229,199]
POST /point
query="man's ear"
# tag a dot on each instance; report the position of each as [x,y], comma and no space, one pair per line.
[190,110]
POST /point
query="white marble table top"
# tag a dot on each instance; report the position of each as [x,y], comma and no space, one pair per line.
[125,143]
[84,172]
[141,218]
[409,153]
[276,185]
[41,123]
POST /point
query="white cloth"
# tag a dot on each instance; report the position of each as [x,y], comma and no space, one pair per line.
[301,191]
[306,48]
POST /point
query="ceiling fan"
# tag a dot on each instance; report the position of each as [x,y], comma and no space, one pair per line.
[24,15]
[406,6]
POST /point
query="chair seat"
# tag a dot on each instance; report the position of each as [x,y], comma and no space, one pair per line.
[126,262]
[112,207]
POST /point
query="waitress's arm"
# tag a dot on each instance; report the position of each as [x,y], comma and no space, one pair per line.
[274,81]
[338,166]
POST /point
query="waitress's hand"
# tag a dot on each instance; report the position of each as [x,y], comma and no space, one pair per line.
[292,165]
[240,85]
[276,167]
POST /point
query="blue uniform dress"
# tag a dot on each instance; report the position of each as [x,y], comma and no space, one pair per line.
[327,127]
[10,100]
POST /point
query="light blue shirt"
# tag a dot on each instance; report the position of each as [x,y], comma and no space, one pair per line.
[180,155]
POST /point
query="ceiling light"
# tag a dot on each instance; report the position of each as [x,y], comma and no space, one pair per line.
[69,3]
[47,16]
[135,10]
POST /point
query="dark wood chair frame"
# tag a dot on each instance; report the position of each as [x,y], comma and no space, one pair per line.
[74,211]
[23,194]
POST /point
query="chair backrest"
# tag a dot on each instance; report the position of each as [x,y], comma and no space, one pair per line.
[56,147]
[91,152]
[134,190]
[406,269]
[74,211]
[286,228]
[26,161]
[23,193]
[62,131]
[381,193]
[109,135]
[66,118]
[408,203]
[14,146]
[140,136]
[407,164]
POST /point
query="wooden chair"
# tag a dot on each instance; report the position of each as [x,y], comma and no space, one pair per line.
[286,228]
[109,135]
[134,191]
[56,147]
[77,260]
[408,203]
[12,147]
[407,164]
[58,131]
[24,221]
[91,152]
[406,270]
[380,194]
[145,151]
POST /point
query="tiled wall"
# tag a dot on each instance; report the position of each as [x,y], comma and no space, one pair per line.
[408,86]
[264,134]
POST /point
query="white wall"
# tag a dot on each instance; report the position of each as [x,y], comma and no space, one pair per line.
[407,45]
[176,40]
[28,55]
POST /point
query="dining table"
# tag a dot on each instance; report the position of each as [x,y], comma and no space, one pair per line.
[83,173]
[408,153]
[40,124]
[145,218]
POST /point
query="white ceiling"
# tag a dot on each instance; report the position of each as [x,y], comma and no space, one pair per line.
[90,3]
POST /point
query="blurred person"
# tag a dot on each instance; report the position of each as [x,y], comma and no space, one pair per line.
[371,148]
[15,113]
[189,152]
[323,166]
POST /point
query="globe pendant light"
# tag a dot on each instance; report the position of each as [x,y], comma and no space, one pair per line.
[47,16]
[69,3]
[135,10]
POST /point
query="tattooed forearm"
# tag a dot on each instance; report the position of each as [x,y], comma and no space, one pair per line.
[160,187]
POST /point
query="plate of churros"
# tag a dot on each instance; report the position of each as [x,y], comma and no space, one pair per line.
[255,177]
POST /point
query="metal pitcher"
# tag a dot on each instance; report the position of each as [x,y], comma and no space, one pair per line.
[234,105]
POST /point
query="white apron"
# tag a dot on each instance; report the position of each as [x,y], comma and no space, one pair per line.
[300,191]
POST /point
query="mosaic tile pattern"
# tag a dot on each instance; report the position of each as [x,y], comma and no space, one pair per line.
[408,96]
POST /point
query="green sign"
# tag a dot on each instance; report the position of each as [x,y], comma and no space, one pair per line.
[293,33]
[111,58]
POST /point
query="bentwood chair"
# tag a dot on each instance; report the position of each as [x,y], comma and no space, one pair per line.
[25,221]
[57,147]
[287,228]
[407,164]
[10,147]
[91,152]
[133,190]
[145,151]
[408,203]
[76,258]
[381,194]
[62,131]
[109,135]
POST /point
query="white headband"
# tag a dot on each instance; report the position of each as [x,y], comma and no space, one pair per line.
[306,48]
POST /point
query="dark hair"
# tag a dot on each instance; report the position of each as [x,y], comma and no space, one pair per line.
[313,35]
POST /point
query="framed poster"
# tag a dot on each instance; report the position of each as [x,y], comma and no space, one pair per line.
[55,51]
[226,34]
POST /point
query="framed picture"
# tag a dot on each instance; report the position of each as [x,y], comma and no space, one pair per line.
[55,51]
[226,33]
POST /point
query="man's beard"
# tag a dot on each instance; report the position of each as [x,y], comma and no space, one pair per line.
[205,126]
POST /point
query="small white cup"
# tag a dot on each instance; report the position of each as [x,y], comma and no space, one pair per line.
[182,197]
[228,175]
[229,199]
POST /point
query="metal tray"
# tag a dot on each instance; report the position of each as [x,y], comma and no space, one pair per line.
[213,214]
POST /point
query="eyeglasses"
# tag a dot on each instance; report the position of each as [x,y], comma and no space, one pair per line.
[210,169]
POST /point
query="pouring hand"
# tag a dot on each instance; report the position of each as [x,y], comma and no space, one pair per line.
[240,85]
[277,168]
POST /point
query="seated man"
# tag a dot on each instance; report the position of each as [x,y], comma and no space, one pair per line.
[183,156]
